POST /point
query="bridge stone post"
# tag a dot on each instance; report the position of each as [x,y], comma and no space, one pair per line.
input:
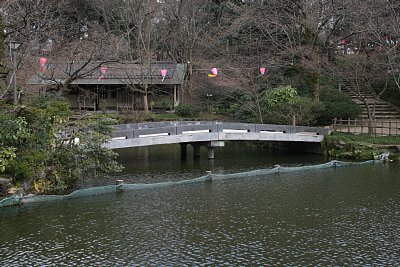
[183,150]
[211,148]
[211,152]
[196,150]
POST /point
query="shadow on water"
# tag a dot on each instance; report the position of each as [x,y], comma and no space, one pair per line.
[162,163]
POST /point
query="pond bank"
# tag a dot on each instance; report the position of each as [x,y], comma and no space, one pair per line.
[361,146]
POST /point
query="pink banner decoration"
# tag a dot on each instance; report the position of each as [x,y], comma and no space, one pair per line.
[163,74]
[42,62]
[103,71]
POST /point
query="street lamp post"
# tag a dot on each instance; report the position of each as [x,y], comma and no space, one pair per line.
[13,47]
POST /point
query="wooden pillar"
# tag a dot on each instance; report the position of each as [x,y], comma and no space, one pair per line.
[175,96]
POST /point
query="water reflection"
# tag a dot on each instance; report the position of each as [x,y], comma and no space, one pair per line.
[342,216]
[164,163]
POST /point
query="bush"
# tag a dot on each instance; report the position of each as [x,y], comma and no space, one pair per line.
[280,105]
[391,94]
[184,110]
[20,171]
[333,95]
[338,110]
[34,154]
[305,110]
[337,105]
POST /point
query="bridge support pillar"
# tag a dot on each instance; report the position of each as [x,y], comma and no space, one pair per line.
[183,150]
[211,152]
[196,150]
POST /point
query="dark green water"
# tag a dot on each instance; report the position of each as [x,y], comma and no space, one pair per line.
[326,217]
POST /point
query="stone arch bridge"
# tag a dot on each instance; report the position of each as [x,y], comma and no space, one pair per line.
[210,134]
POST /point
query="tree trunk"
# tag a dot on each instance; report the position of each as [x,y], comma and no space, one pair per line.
[371,117]
[145,99]
[317,77]
[317,86]
[190,91]
[259,111]
[2,64]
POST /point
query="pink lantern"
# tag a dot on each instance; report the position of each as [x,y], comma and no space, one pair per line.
[163,74]
[42,62]
[214,71]
[262,71]
[103,70]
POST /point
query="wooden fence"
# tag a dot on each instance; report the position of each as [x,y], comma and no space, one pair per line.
[376,128]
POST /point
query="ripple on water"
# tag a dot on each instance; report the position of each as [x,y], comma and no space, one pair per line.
[317,218]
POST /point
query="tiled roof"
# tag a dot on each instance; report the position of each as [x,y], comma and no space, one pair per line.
[116,73]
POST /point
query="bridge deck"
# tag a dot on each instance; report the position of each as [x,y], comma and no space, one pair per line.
[158,133]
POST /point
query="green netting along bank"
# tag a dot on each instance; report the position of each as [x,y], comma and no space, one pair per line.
[17,200]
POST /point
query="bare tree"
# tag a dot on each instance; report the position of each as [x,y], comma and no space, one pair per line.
[186,34]
[3,69]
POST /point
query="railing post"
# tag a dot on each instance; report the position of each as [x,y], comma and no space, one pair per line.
[348,125]
[355,125]
[335,124]
[362,126]
[390,128]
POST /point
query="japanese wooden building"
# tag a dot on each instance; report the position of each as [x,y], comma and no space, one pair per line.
[116,86]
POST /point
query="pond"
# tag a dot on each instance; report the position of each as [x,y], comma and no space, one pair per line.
[337,216]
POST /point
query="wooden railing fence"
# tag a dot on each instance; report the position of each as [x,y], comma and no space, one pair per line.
[374,127]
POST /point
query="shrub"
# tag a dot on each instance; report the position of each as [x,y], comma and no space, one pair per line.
[333,95]
[20,170]
[338,110]
[34,154]
[391,94]
[305,110]
[184,110]
[280,105]
[337,105]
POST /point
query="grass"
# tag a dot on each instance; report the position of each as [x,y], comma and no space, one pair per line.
[365,138]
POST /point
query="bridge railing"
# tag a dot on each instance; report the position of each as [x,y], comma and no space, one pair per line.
[137,130]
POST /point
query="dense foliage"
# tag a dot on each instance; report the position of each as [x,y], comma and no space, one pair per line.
[41,151]
[336,105]
[185,110]
[283,105]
